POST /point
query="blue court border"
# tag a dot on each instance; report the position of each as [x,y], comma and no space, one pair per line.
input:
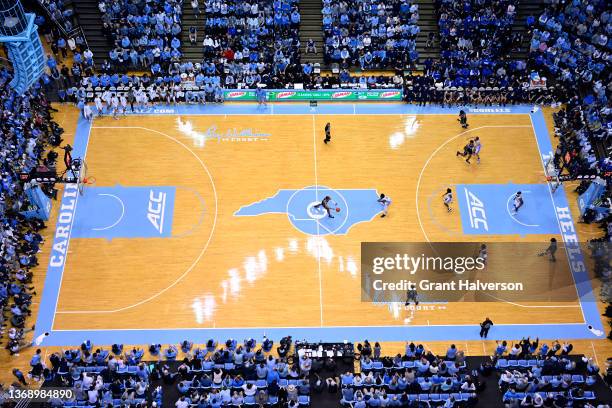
[69,202]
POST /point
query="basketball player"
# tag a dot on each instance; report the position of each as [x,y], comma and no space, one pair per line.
[325,204]
[551,250]
[518,202]
[164,94]
[412,295]
[87,112]
[327,133]
[477,147]
[98,103]
[124,102]
[447,199]
[115,106]
[386,202]
[463,119]
[483,253]
[468,149]
[106,97]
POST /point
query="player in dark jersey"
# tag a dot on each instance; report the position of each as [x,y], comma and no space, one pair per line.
[412,296]
[468,150]
[325,203]
[463,119]
[327,133]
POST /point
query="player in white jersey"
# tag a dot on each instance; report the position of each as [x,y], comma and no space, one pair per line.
[138,98]
[447,199]
[518,202]
[385,202]
[123,101]
[477,147]
[164,94]
[87,112]
[115,106]
[98,103]
[153,95]
[106,97]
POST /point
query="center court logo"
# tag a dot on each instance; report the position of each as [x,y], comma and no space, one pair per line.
[235,134]
[476,211]
[156,210]
[490,110]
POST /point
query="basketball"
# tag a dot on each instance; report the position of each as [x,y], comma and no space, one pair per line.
[337,209]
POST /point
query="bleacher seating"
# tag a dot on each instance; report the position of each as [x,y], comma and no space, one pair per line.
[370,34]
[246,44]
[475,42]
[144,34]
[554,378]
[27,130]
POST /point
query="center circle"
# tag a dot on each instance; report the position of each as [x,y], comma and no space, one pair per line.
[316,214]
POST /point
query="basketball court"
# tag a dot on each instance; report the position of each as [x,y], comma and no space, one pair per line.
[205,218]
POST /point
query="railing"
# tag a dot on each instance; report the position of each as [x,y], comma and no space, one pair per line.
[74,33]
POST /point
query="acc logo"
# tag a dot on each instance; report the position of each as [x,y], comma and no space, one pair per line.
[340,95]
[156,209]
[476,211]
[234,95]
[389,94]
[284,95]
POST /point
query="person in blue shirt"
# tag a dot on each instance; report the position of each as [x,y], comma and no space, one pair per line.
[52,64]
[307,68]
[61,44]
[451,353]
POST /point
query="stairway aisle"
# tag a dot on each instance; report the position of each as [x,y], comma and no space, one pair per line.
[311,26]
[524,9]
[192,52]
[428,23]
[90,19]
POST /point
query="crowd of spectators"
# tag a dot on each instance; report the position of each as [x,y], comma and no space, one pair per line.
[242,374]
[534,375]
[212,376]
[425,89]
[417,374]
[253,42]
[142,33]
[370,34]
[475,41]
[571,45]
[575,153]
[97,377]
[25,125]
